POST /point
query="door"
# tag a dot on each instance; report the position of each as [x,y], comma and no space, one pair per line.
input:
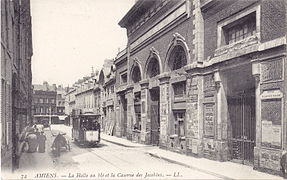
[154,123]
[124,125]
[242,116]
[154,115]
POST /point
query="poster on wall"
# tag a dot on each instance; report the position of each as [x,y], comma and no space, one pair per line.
[209,120]
[271,123]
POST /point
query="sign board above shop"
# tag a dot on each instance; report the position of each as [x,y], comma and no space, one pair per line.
[271,94]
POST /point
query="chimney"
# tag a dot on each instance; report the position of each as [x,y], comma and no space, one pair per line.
[54,87]
[45,84]
[93,72]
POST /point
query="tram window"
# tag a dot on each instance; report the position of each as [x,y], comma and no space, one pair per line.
[90,124]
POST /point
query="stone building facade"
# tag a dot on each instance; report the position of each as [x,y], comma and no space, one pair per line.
[121,83]
[70,104]
[206,78]
[16,76]
[60,100]
[107,87]
[44,103]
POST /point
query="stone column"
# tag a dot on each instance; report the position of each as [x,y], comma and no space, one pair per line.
[118,111]
[130,111]
[222,114]
[145,119]
[193,114]
[164,108]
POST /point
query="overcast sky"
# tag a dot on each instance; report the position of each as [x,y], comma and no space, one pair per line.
[71,36]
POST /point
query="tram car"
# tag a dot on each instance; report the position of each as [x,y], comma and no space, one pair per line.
[86,129]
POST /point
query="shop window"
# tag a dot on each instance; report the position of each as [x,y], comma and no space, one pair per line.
[124,78]
[240,29]
[137,107]
[137,125]
[179,118]
[179,89]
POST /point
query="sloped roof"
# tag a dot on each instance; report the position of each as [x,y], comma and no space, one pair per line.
[44,87]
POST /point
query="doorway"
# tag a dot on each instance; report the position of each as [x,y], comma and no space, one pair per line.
[154,115]
[239,86]
[242,117]
[124,116]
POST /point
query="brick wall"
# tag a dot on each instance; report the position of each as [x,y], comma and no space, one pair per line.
[211,17]
[161,44]
[273,16]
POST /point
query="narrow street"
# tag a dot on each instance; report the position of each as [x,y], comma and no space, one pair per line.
[103,161]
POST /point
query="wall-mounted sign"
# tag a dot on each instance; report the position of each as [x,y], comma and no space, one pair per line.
[209,84]
[272,70]
[272,94]
[209,119]
[271,114]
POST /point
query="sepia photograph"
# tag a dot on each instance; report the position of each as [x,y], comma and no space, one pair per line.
[143,89]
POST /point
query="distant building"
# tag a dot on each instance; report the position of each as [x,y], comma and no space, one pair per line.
[107,81]
[60,103]
[44,103]
[16,77]
[70,104]
[121,83]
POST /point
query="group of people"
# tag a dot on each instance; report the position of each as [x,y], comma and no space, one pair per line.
[35,139]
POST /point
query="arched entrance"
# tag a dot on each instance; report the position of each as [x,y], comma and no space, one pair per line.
[176,60]
[153,69]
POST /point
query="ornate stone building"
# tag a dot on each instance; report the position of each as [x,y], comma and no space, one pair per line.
[16,76]
[206,78]
[107,87]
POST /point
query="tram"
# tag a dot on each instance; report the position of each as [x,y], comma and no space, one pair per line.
[86,129]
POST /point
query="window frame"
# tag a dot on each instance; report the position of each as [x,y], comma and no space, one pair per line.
[220,31]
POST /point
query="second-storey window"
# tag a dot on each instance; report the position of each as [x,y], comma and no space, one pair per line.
[179,89]
[124,78]
[240,29]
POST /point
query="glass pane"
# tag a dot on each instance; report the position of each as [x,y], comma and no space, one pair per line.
[181,129]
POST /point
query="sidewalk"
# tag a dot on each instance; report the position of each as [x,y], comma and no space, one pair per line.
[224,170]
[120,141]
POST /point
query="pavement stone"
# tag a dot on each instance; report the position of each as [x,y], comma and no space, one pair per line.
[224,170]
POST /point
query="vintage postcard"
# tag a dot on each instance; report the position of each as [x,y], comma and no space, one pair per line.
[143,89]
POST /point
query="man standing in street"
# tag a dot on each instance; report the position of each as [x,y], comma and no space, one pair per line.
[41,142]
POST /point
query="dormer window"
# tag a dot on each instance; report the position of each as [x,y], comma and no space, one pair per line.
[240,29]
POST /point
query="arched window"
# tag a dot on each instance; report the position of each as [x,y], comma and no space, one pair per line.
[153,68]
[177,58]
[136,74]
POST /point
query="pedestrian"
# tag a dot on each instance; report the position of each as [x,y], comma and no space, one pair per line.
[32,142]
[37,134]
[41,141]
